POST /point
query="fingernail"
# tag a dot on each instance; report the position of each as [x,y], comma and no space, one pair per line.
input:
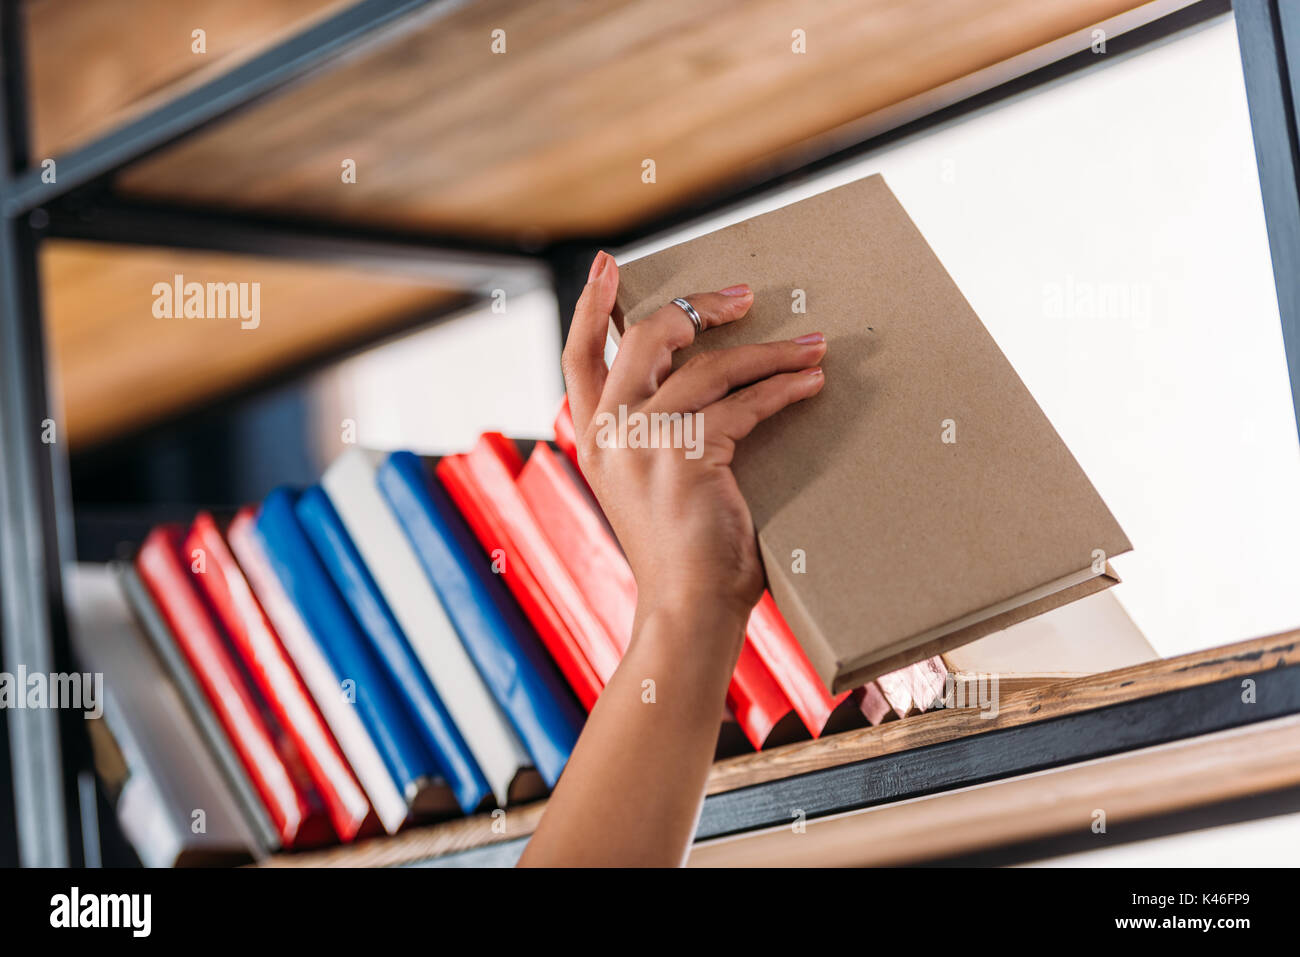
[809,339]
[597,265]
[815,370]
[741,290]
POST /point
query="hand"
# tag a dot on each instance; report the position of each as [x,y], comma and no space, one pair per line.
[678,512]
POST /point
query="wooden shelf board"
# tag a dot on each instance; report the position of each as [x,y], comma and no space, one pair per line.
[1128,787]
[1021,708]
[94,66]
[547,140]
[119,367]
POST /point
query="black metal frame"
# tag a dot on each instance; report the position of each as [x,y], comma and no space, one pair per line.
[1268,32]
[48,749]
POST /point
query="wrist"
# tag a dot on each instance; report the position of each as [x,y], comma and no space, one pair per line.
[693,620]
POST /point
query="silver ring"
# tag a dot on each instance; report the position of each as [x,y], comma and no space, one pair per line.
[690,311]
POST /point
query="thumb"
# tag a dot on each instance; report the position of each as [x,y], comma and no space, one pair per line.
[584,353]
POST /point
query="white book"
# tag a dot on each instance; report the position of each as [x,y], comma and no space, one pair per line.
[321,681]
[175,806]
[351,486]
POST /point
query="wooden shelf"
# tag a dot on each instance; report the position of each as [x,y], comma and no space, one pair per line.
[1129,787]
[546,141]
[120,367]
[94,66]
[1034,707]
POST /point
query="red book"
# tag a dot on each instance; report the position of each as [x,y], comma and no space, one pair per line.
[565,437]
[581,540]
[872,702]
[593,559]
[789,665]
[265,660]
[480,509]
[495,463]
[914,688]
[268,755]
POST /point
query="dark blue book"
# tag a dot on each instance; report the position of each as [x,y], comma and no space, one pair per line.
[343,562]
[346,648]
[498,638]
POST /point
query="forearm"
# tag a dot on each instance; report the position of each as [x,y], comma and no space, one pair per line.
[632,790]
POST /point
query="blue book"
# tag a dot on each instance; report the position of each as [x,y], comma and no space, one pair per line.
[344,646]
[499,639]
[440,735]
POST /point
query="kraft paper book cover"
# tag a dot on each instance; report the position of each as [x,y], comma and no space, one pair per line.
[923,499]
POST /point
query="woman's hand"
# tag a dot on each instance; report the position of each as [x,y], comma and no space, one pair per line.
[632,789]
[678,512]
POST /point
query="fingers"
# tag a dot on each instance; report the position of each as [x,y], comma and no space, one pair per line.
[584,352]
[736,416]
[645,356]
[710,376]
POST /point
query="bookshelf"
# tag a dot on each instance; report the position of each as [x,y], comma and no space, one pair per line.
[180,162]
[1064,728]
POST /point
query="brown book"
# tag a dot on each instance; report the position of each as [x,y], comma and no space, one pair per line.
[922,499]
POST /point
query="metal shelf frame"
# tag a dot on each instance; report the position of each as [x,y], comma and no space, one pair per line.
[49,754]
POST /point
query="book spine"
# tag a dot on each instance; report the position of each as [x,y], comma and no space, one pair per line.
[872,702]
[566,436]
[495,462]
[591,556]
[328,618]
[352,485]
[268,752]
[353,580]
[480,511]
[217,680]
[785,659]
[265,660]
[324,684]
[169,771]
[490,624]
[206,721]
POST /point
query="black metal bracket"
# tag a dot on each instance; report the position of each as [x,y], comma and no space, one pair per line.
[1268,32]
[458,264]
[236,89]
[48,748]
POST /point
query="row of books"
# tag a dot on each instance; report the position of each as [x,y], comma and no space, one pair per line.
[406,640]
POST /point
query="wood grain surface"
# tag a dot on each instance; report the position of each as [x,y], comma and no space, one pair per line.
[1021,708]
[548,138]
[118,367]
[1128,787]
[95,64]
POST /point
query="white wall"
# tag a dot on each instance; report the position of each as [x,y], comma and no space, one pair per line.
[1263,842]
[436,390]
